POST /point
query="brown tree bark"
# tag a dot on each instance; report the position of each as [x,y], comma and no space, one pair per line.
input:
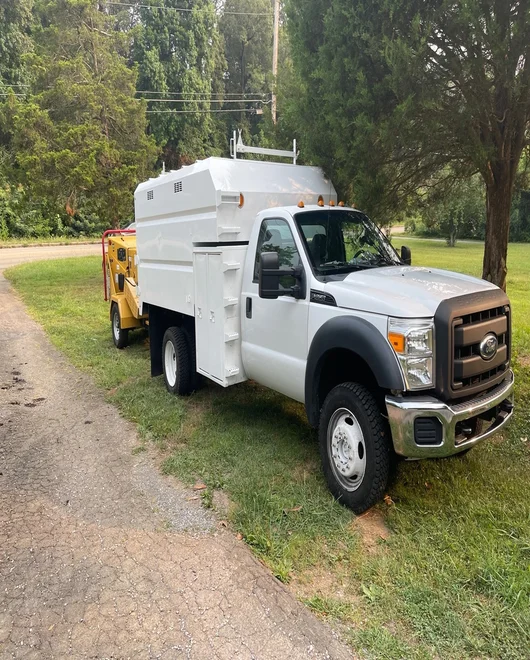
[499,193]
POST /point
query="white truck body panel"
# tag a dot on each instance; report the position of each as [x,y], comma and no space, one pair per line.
[218,274]
[200,204]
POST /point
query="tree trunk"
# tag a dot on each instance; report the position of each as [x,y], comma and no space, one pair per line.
[498,204]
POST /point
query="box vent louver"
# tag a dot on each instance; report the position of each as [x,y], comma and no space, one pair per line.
[177,186]
[150,194]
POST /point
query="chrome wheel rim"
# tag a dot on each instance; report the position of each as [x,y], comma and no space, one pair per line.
[346,449]
[170,363]
[116,326]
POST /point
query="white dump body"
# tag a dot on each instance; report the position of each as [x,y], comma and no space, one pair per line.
[198,205]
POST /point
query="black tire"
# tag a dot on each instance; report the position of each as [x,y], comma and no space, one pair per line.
[119,335]
[196,378]
[361,444]
[176,352]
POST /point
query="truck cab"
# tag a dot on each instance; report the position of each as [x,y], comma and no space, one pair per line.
[372,346]
[253,270]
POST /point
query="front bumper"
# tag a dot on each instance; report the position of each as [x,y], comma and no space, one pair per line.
[483,416]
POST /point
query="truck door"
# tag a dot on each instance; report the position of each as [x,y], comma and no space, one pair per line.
[274,332]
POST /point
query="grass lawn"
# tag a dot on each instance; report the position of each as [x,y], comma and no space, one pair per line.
[442,569]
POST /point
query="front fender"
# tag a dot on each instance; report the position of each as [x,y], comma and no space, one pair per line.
[359,337]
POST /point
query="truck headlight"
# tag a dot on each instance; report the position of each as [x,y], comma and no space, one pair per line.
[413,341]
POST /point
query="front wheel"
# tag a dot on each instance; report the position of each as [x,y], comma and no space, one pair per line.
[355,446]
[119,335]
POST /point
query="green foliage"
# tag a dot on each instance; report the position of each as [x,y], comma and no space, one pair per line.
[457,212]
[79,139]
[342,107]
[15,43]
[21,219]
[179,54]
[394,91]
[248,46]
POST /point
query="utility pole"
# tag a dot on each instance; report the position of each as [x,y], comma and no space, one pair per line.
[275,56]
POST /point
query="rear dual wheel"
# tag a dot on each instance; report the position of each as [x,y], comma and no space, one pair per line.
[355,446]
[178,361]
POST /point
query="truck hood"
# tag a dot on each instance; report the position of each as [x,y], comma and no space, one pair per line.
[403,291]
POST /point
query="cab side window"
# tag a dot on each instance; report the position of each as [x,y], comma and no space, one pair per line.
[275,235]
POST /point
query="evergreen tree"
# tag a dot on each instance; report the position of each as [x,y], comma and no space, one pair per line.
[398,89]
[15,42]
[246,27]
[79,138]
[179,56]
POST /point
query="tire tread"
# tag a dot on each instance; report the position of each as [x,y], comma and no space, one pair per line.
[382,453]
[183,383]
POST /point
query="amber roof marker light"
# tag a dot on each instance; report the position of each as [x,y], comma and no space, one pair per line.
[301,204]
[320,200]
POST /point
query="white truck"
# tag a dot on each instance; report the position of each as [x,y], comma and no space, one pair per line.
[251,270]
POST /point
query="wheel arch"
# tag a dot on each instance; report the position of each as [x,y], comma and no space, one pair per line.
[348,348]
[160,320]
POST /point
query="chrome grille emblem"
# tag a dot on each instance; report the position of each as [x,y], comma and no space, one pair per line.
[488,347]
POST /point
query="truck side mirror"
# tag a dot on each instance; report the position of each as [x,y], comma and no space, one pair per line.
[269,275]
[406,255]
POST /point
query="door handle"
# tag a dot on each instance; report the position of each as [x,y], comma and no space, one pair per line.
[249,308]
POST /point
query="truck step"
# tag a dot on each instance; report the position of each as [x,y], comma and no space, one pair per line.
[232,336]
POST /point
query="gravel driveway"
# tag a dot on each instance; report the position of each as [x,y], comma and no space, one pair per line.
[100,555]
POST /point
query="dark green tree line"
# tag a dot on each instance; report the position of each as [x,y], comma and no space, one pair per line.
[78,137]
[94,96]
[395,91]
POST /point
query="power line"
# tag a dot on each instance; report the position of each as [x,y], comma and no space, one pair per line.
[238,94]
[195,112]
[184,9]
[204,100]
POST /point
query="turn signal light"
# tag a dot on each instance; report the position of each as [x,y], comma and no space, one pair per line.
[241,200]
[397,341]
[301,204]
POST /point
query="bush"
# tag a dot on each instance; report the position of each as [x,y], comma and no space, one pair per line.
[21,217]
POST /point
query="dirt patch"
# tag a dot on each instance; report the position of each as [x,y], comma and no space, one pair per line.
[372,529]
[323,582]
[222,503]
[524,361]
[303,470]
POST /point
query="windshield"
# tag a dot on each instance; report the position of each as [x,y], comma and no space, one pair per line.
[344,241]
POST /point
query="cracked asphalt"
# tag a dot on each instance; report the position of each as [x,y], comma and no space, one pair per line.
[100,555]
